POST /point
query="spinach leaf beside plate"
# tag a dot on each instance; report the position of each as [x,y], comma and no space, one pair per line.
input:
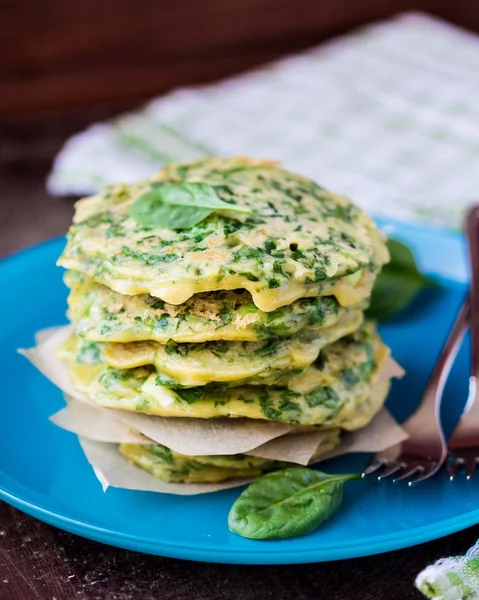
[398,283]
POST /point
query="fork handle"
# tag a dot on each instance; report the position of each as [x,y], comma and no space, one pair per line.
[472,227]
[426,422]
[465,434]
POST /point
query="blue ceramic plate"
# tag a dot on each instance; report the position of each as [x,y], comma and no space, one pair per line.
[44,473]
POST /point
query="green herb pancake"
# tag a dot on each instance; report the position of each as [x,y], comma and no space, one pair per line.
[167,465]
[102,315]
[342,388]
[231,223]
[269,362]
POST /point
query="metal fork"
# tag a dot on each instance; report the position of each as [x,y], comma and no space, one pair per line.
[463,445]
[424,452]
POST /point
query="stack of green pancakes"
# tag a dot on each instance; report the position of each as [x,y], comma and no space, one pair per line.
[254,312]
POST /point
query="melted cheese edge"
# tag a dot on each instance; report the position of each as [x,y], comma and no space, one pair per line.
[102,315]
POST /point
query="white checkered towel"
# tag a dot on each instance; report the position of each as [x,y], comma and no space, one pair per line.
[388,115]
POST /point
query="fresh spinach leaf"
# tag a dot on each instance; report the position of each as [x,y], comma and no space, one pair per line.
[178,205]
[401,255]
[398,283]
[287,503]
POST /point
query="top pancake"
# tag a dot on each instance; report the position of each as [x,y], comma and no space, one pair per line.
[298,241]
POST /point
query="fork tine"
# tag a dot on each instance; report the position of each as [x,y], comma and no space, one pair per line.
[373,467]
[390,470]
[410,470]
[452,467]
[470,466]
[423,475]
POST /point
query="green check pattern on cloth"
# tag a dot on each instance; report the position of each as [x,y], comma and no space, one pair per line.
[387,115]
[454,578]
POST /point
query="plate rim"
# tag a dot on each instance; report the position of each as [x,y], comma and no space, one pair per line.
[357,549]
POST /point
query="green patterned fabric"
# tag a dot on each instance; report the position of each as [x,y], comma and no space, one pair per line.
[386,115]
[455,578]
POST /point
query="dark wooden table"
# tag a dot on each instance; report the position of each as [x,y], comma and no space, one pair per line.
[40,562]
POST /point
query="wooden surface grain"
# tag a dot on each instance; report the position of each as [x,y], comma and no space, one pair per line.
[63,54]
[39,562]
[79,53]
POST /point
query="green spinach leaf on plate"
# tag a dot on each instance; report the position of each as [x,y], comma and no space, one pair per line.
[287,503]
